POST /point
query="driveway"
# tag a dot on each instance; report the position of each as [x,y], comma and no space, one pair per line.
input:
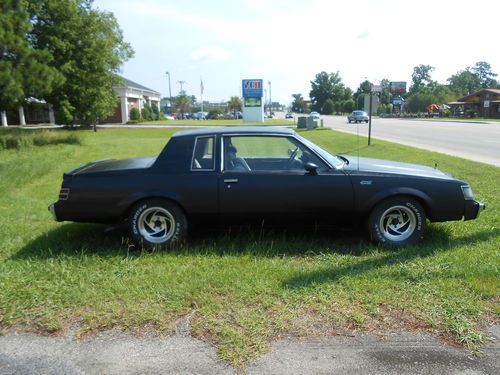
[114,352]
[478,141]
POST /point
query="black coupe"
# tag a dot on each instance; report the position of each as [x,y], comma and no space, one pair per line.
[258,173]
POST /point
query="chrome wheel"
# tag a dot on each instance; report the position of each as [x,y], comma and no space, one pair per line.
[156,225]
[398,223]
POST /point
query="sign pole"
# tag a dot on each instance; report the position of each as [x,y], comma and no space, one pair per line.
[370,119]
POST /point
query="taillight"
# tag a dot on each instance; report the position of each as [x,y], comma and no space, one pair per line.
[64,194]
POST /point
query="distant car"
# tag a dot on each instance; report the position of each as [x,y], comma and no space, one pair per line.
[200,116]
[314,115]
[289,115]
[357,116]
[255,174]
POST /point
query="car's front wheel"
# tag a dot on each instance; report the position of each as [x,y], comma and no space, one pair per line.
[397,221]
[157,223]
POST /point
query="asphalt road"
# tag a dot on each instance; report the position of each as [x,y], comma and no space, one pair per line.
[114,352]
[478,141]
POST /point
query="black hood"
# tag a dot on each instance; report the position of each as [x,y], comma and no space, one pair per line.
[392,168]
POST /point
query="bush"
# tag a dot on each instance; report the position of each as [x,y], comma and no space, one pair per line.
[146,113]
[155,112]
[134,114]
[20,140]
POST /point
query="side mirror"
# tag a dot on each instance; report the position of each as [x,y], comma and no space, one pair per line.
[311,169]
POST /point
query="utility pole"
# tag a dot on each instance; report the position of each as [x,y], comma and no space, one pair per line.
[181,83]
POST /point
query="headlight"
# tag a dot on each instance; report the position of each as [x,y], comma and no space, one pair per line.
[467,192]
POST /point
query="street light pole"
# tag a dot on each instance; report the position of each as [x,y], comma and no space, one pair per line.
[169,90]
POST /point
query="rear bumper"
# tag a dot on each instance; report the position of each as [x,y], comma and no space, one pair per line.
[473,209]
[52,210]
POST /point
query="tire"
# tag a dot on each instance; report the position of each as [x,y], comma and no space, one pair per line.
[157,224]
[397,221]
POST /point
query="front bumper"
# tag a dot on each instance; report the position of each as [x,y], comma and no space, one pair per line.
[473,209]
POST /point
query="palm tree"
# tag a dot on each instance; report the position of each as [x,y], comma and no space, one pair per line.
[234,104]
[182,104]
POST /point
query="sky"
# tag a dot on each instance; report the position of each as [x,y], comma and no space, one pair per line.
[287,42]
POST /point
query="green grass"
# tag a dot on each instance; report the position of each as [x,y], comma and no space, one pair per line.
[218,122]
[22,138]
[242,288]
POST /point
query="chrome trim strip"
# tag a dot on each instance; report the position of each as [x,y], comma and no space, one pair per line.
[231,180]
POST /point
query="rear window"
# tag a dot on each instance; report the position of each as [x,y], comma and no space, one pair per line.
[203,154]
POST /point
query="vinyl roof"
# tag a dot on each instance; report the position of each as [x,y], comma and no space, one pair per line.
[236,130]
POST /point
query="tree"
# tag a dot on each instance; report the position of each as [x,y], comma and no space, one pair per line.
[327,86]
[418,101]
[87,47]
[464,82]
[421,77]
[234,104]
[486,77]
[348,105]
[23,70]
[329,107]
[298,104]
[182,104]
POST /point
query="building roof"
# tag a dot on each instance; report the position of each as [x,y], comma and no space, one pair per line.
[492,91]
[135,85]
[236,130]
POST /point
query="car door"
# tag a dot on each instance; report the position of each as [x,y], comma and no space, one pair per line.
[275,183]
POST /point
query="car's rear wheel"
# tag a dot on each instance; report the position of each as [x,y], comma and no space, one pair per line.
[397,221]
[157,223]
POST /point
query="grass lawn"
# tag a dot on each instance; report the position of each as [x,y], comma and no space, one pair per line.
[268,121]
[238,289]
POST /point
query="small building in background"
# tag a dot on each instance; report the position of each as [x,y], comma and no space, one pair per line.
[483,103]
[131,95]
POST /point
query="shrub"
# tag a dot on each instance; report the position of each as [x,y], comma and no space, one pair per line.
[134,114]
[155,112]
[21,140]
[146,113]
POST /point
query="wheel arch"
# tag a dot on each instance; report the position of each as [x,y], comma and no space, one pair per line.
[146,197]
[421,197]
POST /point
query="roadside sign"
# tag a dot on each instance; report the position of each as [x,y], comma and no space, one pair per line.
[376,88]
[252,88]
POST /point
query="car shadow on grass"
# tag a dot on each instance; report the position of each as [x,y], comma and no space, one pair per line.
[438,241]
[75,239]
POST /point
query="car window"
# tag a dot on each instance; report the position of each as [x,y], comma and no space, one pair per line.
[266,153]
[203,154]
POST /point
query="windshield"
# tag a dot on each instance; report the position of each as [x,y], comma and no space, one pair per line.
[331,159]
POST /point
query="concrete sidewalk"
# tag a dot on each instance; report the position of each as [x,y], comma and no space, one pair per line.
[114,352]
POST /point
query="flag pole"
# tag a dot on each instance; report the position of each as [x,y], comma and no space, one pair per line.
[201,91]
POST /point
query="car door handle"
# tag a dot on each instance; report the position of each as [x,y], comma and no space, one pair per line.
[230,180]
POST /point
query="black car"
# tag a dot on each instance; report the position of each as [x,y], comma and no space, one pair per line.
[256,173]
